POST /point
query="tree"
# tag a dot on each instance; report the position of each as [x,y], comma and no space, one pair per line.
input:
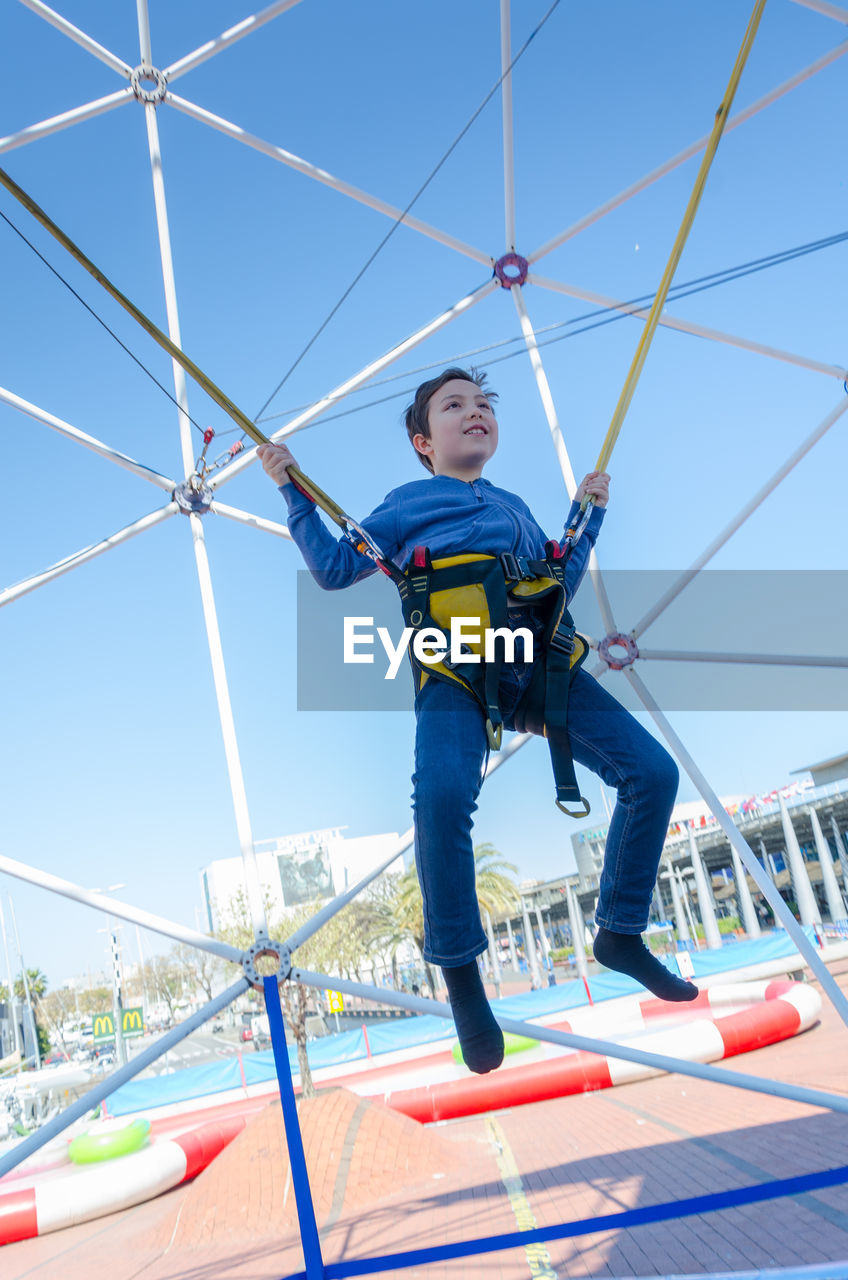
[238,931]
[497,891]
[199,968]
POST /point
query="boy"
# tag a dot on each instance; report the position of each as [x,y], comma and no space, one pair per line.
[453,429]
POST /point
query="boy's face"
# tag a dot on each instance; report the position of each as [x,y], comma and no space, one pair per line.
[463,431]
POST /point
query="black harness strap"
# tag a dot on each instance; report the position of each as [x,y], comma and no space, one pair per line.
[543,709]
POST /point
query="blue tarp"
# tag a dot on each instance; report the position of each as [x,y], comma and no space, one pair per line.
[387,1037]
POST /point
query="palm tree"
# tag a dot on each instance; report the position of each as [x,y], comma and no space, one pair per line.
[497,891]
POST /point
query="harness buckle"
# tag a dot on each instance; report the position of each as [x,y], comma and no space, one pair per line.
[563,640]
[515,568]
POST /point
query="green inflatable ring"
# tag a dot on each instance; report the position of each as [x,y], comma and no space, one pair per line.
[512,1044]
[109,1140]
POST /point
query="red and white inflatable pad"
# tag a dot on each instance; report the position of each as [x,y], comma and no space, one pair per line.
[80,1193]
[695,1032]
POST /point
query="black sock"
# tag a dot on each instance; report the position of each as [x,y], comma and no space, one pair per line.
[627,953]
[480,1037]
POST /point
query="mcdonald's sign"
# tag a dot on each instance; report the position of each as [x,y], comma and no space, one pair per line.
[132,1023]
[103,1028]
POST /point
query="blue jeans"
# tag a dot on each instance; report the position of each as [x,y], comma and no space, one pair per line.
[450,755]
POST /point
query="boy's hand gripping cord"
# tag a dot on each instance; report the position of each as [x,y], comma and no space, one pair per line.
[574,534]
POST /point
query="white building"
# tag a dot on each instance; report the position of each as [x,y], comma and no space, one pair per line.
[295,869]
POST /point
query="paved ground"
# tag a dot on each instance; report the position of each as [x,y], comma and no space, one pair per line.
[382,1184]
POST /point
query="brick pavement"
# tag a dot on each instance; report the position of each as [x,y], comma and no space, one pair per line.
[375,1189]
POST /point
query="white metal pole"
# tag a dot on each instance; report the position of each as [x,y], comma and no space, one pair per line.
[842,851]
[84,1105]
[309,170]
[253,884]
[559,445]
[736,523]
[252,521]
[835,904]
[578,931]
[338,393]
[228,729]
[65,119]
[513,957]
[821,6]
[11,985]
[687,905]
[746,854]
[682,156]
[808,907]
[144,33]
[493,952]
[89,442]
[25,981]
[79,37]
[712,935]
[114,907]
[679,916]
[88,553]
[750,659]
[638,311]
[229,37]
[530,948]
[168,278]
[624,1052]
[508,145]
[750,921]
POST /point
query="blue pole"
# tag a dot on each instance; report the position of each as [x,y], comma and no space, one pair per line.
[310,1241]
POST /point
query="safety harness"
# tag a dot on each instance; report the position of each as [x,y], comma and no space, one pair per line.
[480,588]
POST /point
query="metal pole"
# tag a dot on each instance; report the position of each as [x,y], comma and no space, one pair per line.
[679,914]
[64,120]
[238,134]
[77,1110]
[808,907]
[627,1053]
[750,659]
[750,920]
[687,906]
[639,311]
[212,47]
[88,553]
[309,415]
[763,883]
[112,906]
[16,1029]
[530,948]
[117,985]
[89,442]
[835,904]
[513,957]
[25,981]
[578,932]
[739,519]
[842,851]
[706,904]
[692,150]
[79,37]
[493,952]
[297,1159]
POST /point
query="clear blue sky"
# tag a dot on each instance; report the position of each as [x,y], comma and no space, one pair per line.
[111,758]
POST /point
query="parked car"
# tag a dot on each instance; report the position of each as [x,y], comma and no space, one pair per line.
[246,1034]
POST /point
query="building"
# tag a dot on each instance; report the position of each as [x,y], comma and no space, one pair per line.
[295,869]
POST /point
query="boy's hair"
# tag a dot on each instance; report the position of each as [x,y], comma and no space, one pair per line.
[416,417]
